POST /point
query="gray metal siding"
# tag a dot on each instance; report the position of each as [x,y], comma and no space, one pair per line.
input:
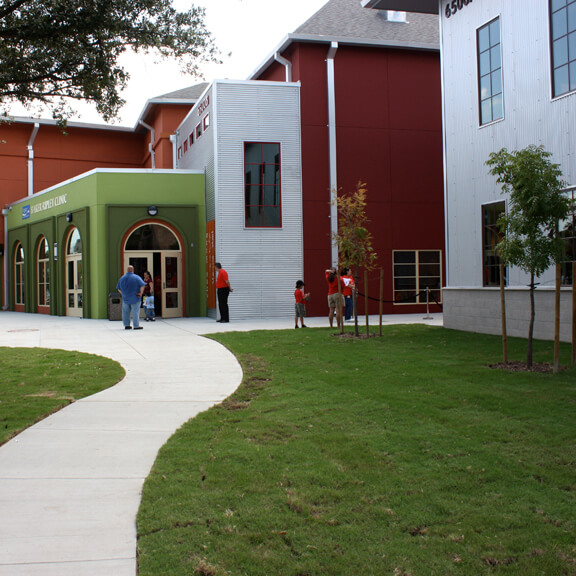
[263,264]
[531,116]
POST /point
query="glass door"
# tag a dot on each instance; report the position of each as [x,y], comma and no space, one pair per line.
[74,288]
[171,285]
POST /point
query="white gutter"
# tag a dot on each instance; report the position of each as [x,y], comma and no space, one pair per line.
[174,140]
[286,63]
[30,148]
[152,142]
[332,149]
[5,300]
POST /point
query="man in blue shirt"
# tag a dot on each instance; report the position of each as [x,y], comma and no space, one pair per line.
[131,286]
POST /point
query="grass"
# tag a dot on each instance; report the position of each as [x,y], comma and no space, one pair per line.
[404,455]
[35,382]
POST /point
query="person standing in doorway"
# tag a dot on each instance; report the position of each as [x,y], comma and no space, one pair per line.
[223,290]
[131,286]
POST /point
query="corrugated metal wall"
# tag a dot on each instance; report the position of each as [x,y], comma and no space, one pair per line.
[531,116]
[263,264]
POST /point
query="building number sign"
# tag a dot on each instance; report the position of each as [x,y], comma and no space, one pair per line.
[454,6]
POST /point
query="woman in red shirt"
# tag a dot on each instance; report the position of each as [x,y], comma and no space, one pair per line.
[335,298]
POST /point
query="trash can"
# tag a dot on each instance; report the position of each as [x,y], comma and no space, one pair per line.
[114,306]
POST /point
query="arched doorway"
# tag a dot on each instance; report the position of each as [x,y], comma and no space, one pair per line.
[19,282]
[43,276]
[155,248]
[74,274]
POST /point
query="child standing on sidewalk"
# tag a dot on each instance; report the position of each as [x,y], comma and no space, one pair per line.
[300,305]
[149,307]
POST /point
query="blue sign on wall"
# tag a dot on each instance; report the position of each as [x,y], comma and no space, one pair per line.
[25,212]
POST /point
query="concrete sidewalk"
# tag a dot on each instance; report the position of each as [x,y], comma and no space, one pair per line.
[70,485]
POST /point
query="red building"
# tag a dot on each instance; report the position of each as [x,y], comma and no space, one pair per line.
[382,71]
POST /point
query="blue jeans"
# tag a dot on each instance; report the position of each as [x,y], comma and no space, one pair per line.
[131,308]
[349,308]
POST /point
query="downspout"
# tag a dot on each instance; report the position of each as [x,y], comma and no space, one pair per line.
[332,149]
[30,148]
[152,141]
[286,63]
[5,256]
[174,141]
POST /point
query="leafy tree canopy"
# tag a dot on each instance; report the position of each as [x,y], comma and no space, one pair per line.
[53,52]
[536,205]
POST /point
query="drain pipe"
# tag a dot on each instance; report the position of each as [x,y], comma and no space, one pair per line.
[332,149]
[30,148]
[286,63]
[174,141]
[5,257]
[152,142]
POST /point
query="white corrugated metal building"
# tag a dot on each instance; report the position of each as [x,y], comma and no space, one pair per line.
[253,205]
[509,80]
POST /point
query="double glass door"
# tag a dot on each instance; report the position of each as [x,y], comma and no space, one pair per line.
[165,269]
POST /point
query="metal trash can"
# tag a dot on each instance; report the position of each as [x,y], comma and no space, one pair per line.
[114,306]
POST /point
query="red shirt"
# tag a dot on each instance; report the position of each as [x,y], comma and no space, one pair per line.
[349,282]
[333,286]
[222,280]
[299,296]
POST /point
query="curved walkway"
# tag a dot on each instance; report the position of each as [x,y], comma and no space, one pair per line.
[70,485]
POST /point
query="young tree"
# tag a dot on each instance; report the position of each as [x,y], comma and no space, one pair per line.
[53,52]
[536,204]
[353,238]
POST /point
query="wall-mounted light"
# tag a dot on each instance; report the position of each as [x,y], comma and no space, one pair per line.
[1,249]
[55,251]
[152,211]
[69,217]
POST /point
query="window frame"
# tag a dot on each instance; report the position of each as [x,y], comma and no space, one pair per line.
[43,274]
[276,187]
[419,298]
[569,35]
[490,74]
[566,265]
[19,275]
[491,229]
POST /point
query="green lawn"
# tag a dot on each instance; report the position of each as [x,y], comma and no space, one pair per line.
[35,382]
[400,455]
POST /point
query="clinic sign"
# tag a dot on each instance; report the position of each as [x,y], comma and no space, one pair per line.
[32,209]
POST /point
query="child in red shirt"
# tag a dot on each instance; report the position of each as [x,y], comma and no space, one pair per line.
[300,305]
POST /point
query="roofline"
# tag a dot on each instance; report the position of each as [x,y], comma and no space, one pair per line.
[150,103]
[52,122]
[320,39]
[422,6]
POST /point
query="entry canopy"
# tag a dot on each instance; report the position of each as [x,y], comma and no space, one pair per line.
[152,237]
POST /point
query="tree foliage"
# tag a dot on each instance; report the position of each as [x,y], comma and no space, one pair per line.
[53,52]
[536,204]
[353,238]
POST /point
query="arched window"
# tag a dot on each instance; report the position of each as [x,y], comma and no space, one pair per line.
[19,293]
[74,243]
[43,272]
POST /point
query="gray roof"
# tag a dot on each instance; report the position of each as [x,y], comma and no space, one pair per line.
[341,19]
[189,93]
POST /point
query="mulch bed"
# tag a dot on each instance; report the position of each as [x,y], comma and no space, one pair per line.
[543,367]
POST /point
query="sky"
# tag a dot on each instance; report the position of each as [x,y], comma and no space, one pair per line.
[248,29]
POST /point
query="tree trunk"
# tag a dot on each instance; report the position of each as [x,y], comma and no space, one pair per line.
[503,314]
[529,353]
[557,321]
[366,301]
[355,302]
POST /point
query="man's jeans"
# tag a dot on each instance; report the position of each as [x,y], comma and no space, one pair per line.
[131,308]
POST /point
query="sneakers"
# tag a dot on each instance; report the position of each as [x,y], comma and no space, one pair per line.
[127,327]
[138,327]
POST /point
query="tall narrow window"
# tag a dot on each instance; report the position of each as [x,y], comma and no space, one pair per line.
[563,40]
[490,72]
[262,185]
[491,235]
[43,271]
[19,292]
[417,276]
[568,232]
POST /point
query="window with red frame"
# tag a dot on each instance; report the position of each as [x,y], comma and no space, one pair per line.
[262,185]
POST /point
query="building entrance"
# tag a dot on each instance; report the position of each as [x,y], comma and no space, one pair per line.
[155,249]
[74,274]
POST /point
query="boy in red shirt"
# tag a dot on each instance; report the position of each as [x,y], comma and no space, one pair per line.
[300,305]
